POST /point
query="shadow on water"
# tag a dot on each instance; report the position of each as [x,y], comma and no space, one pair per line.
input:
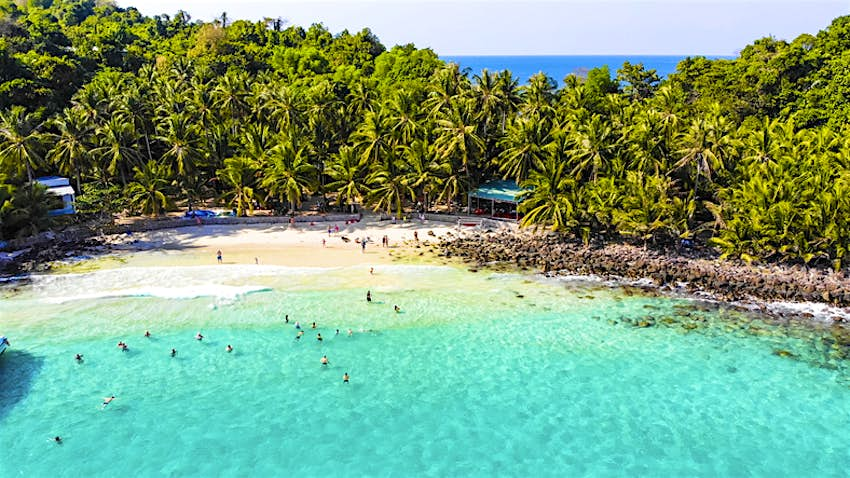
[18,371]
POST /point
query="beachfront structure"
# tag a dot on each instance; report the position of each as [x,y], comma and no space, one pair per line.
[495,199]
[61,187]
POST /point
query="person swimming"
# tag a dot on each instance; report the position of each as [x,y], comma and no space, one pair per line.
[78,357]
[107,401]
[173,352]
[228,348]
[57,439]
[123,346]
[345,377]
[325,360]
[299,334]
[199,336]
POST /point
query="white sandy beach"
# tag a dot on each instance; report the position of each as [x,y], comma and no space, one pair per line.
[303,244]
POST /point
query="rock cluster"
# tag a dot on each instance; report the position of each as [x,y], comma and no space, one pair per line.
[555,254]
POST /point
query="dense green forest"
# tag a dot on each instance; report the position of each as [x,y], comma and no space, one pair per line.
[749,155]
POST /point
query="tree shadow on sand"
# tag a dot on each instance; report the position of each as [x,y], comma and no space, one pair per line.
[18,371]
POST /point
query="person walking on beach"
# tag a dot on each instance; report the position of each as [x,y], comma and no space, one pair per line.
[416,236]
[218,256]
[363,246]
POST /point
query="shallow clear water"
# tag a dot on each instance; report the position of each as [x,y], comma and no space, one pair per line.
[469,380]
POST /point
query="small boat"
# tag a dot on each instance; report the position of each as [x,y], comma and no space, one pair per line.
[4,344]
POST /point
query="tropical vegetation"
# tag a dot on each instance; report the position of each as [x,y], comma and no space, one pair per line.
[748,155]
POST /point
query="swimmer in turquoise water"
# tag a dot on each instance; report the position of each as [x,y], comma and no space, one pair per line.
[325,360]
[78,358]
[229,348]
[107,401]
[173,352]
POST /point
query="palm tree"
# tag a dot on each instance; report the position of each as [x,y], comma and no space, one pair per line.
[705,148]
[115,141]
[424,170]
[346,172]
[596,148]
[403,117]
[373,139]
[387,190]
[70,148]
[524,147]
[20,140]
[148,191]
[180,137]
[239,173]
[288,174]
[548,197]
[457,138]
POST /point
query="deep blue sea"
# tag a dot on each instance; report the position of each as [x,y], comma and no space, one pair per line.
[560,66]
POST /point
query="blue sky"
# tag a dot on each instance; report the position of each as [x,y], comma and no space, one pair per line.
[540,27]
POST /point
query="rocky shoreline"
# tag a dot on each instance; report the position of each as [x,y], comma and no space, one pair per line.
[556,255]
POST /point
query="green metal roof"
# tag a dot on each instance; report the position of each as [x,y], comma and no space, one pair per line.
[505,191]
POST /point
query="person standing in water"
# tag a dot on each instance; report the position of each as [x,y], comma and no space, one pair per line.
[325,360]
[228,348]
[173,352]
[345,377]
[368,296]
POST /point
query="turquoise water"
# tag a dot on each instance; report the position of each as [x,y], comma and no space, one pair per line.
[480,375]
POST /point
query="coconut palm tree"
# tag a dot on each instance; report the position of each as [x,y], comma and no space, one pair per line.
[181,138]
[524,147]
[548,197]
[149,190]
[288,173]
[70,150]
[20,141]
[346,171]
[239,175]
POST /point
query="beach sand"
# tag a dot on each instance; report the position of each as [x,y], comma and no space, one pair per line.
[281,244]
